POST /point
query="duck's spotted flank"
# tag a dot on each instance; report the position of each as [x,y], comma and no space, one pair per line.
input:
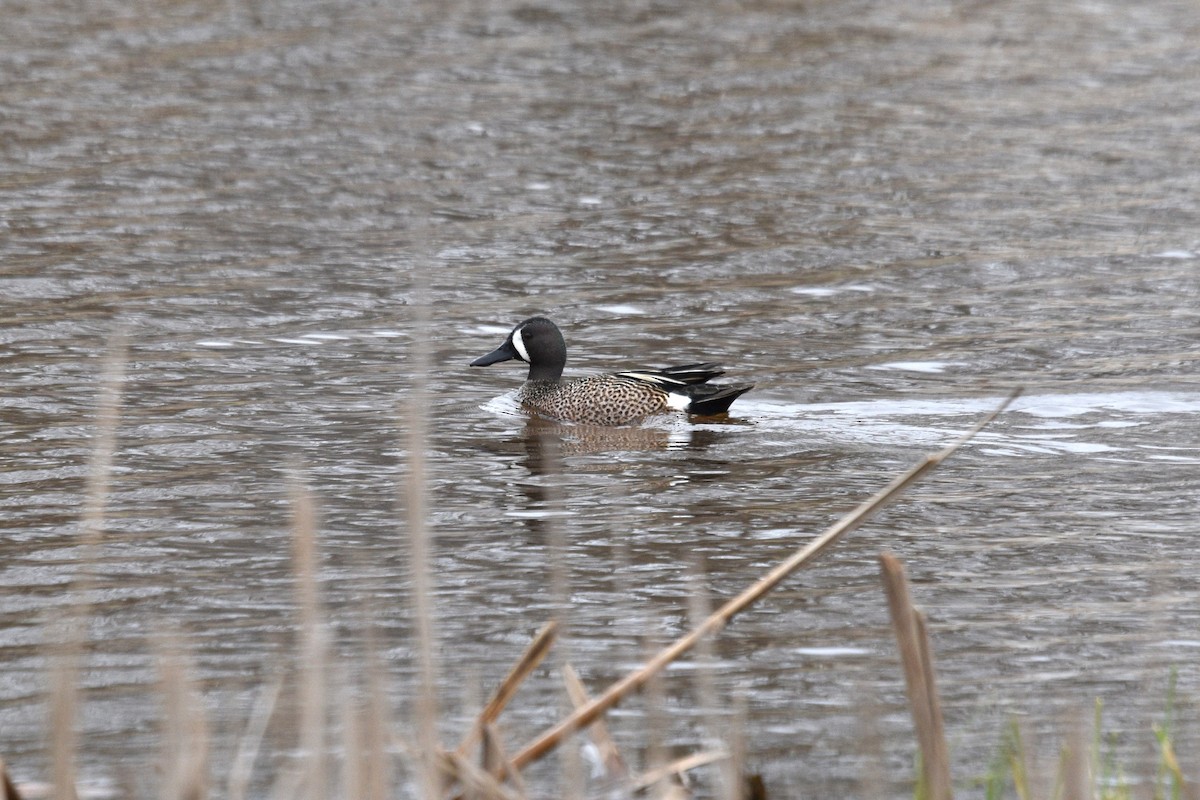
[614,399]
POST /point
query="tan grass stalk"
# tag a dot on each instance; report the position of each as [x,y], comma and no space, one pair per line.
[64,703]
[526,664]
[251,741]
[353,735]
[582,717]
[678,767]
[744,785]
[419,545]
[185,741]
[929,678]
[918,677]
[314,648]
[571,766]
[655,723]
[376,762]
[364,736]
[1075,766]
[699,608]
[64,683]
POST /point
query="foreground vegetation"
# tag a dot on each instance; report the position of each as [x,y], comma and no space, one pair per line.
[356,752]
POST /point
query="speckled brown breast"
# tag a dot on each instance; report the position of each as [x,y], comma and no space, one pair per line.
[596,400]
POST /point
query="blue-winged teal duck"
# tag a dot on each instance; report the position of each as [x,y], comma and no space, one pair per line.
[613,399]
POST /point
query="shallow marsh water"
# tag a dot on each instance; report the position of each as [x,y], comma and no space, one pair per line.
[885,216]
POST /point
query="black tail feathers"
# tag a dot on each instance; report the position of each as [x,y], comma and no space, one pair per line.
[710,400]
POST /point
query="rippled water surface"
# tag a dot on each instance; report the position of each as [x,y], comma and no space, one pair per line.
[884,215]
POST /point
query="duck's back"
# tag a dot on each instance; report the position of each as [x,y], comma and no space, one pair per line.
[621,397]
[596,400]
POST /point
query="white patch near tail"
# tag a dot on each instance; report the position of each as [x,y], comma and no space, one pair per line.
[519,343]
[679,402]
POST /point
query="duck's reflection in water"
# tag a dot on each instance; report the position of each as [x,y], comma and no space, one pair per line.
[546,441]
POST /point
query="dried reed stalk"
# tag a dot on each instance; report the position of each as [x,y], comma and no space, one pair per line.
[353,739]
[477,784]
[571,767]
[185,743]
[314,648]
[251,741]
[582,717]
[65,693]
[415,415]
[678,767]
[376,763]
[915,657]
[64,704]
[699,608]
[364,736]
[1075,766]
[526,664]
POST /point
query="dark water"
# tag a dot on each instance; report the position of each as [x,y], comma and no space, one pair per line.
[883,215]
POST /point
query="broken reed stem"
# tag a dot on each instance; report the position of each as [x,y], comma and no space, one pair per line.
[929,676]
[610,756]
[529,661]
[582,717]
[477,783]
[912,641]
[496,761]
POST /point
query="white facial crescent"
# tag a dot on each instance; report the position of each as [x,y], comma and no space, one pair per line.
[519,343]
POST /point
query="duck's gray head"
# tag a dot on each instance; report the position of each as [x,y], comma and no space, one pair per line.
[539,343]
